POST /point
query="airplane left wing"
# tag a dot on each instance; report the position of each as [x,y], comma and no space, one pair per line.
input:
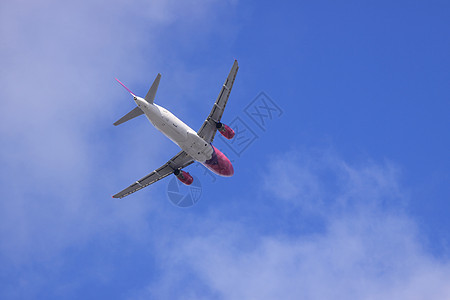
[179,161]
[208,129]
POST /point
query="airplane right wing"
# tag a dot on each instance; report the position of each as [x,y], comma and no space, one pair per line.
[179,161]
[208,129]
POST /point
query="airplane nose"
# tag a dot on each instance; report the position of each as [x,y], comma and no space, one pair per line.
[219,164]
[228,169]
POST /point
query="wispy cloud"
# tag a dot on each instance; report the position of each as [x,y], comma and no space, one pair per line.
[59,164]
[58,101]
[369,249]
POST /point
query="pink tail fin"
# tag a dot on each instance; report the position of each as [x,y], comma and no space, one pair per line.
[124,86]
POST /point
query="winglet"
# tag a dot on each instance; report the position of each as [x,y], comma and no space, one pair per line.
[124,87]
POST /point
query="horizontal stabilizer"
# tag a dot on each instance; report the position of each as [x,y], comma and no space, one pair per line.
[150,97]
[132,114]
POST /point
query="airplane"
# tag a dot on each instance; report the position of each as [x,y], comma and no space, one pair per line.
[196,146]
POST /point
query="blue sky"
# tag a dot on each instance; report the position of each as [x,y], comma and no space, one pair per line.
[345,195]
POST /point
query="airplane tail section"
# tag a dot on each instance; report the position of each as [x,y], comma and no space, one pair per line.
[132,114]
[150,97]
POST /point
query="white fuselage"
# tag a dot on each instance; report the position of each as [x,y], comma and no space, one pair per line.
[180,133]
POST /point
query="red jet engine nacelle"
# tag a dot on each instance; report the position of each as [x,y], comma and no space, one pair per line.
[184,177]
[225,130]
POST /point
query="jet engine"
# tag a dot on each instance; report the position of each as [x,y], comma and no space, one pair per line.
[184,177]
[225,130]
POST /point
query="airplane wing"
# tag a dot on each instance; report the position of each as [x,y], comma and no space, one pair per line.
[208,129]
[179,161]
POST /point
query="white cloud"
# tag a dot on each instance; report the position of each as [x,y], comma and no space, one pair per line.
[58,98]
[368,249]
[308,179]
[58,60]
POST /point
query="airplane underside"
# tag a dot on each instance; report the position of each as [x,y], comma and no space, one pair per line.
[196,146]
